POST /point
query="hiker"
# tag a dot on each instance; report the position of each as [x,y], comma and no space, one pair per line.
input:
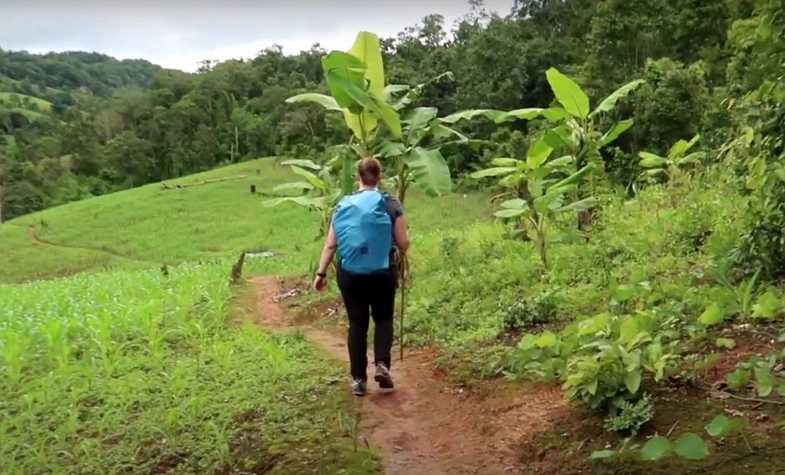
[367,229]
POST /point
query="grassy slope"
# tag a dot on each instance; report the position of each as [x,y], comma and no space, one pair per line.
[156,226]
[140,229]
[466,279]
[42,104]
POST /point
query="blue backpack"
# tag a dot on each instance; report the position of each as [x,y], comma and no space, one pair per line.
[363,229]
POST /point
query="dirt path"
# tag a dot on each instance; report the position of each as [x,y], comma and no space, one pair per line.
[32,233]
[427,426]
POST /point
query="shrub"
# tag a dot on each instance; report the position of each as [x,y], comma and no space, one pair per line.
[631,416]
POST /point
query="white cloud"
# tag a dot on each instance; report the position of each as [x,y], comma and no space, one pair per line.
[180,34]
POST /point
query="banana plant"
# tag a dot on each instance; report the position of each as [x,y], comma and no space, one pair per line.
[677,158]
[536,195]
[321,188]
[579,128]
[356,83]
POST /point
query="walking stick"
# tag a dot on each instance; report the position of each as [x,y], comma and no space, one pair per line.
[403,267]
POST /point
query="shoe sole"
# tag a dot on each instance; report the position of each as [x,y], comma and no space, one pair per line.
[385,382]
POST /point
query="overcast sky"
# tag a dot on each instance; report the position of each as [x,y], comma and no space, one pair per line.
[180,33]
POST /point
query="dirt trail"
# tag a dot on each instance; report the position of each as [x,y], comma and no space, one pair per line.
[32,233]
[427,426]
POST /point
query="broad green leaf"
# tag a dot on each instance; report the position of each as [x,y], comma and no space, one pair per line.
[505,162]
[691,446]
[431,172]
[764,381]
[723,425]
[538,153]
[681,147]
[656,448]
[294,186]
[495,171]
[738,379]
[574,178]
[490,114]
[555,114]
[650,160]
[609,103]
[547,339]
[341,69]
[728,343]
[560,162]
[629,328]
[366,49]
[694,157]
[528,342]
[441,131]
[520,114]
[580,205]
[391,90]
[603,454]
[633,381]
[611,135]
[768,305]
[302,163]
[323,100]
[509,213]
[392,149]
[713,315]
[387,114]
[420,116]
[312,179]
[568,93]
[516,203]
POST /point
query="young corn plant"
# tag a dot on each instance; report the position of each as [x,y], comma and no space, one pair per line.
[536,195]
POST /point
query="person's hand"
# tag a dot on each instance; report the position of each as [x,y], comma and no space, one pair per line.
[319,283]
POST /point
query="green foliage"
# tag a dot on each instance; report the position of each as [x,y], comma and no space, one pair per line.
[602,360]
[631,416]
[672,164]
[148,361]
[527,312]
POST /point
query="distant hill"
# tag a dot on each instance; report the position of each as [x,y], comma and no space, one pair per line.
[94,73]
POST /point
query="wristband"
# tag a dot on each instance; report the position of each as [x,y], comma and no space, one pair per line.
[321,274]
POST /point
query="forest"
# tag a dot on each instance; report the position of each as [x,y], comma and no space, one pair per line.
[596,192]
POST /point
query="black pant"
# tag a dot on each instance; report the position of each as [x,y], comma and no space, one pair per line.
[365,295]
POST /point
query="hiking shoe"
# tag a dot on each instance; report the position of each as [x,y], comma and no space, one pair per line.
[358,387]
[383,377]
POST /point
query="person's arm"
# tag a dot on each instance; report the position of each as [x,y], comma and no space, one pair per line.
[328,252]
[401,233]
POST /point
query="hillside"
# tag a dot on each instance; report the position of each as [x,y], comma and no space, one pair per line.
[150,226]
[72,71]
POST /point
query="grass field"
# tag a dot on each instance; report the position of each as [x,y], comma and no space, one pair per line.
[155,226]
[41,105]
[657,258]
[142,373]
[137,372]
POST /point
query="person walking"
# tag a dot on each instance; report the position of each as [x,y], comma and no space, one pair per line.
[367,228]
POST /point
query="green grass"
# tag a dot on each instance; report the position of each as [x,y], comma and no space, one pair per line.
[42,105]
[136,372]
[149,224]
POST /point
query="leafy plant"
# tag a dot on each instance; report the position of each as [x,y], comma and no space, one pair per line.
[537,193]
[603,359]
[631,415]
[322,188]
[670,165]
[579,128]
[540,308]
